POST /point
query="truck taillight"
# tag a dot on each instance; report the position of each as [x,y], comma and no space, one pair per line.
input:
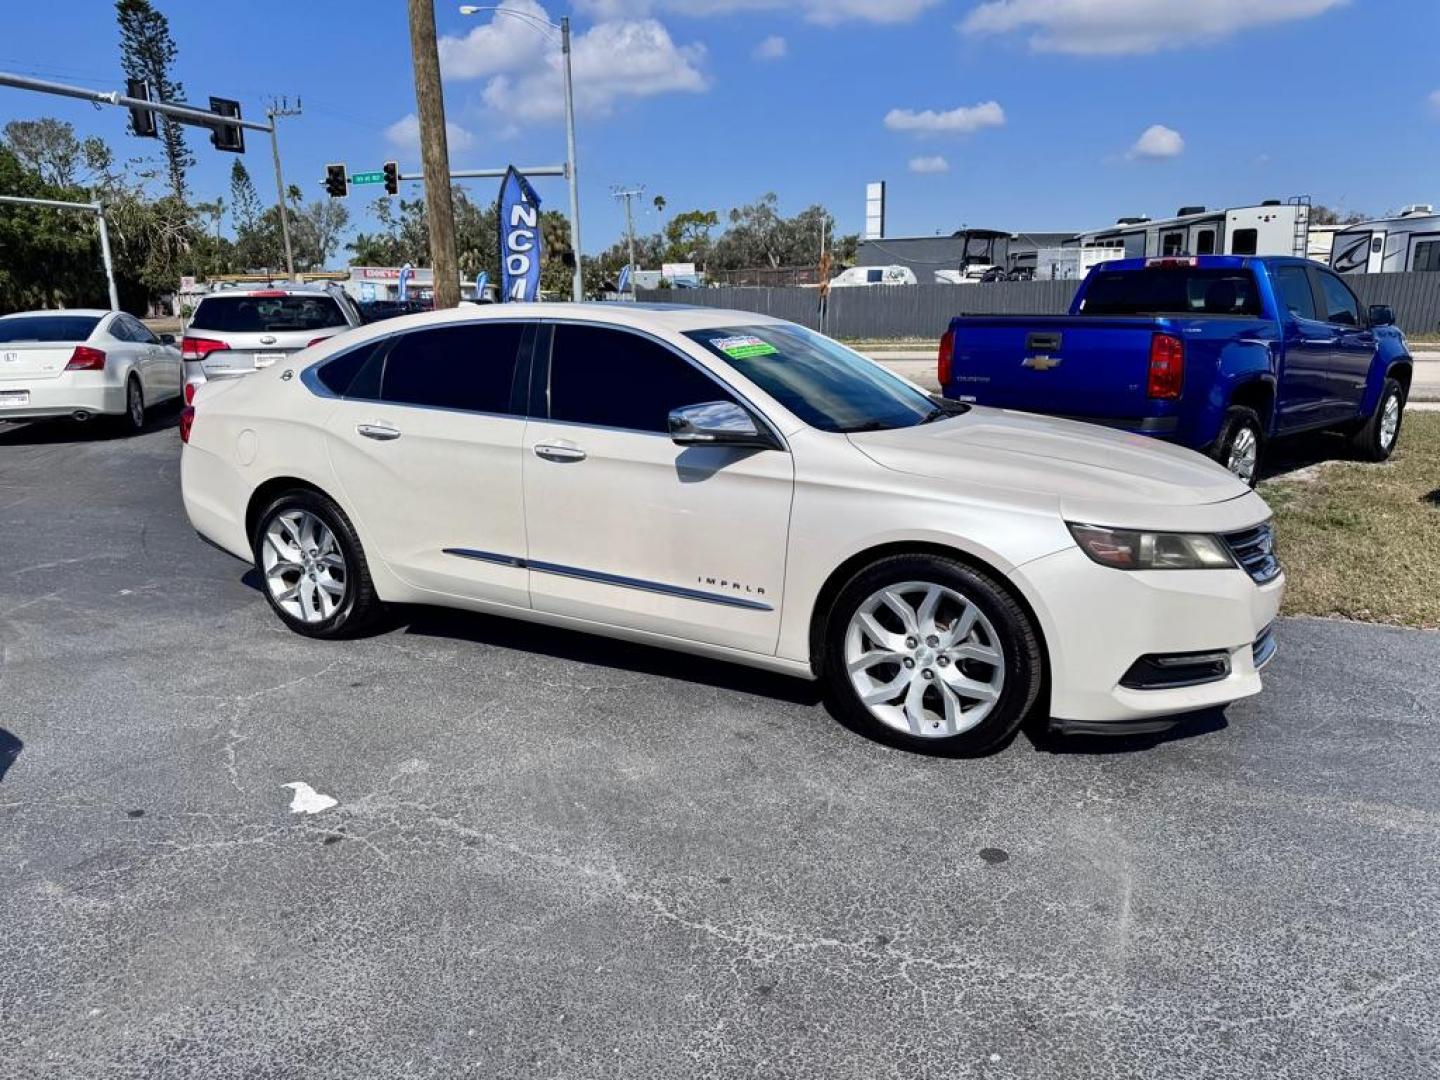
[1167,367]
[85,358]
[187,420]
[197,348]
[946,359]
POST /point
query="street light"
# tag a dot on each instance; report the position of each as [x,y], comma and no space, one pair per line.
[550,30]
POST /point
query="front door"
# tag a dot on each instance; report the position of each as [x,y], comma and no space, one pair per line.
[1353,346]
[628,529]
[426,442]
[1303,396]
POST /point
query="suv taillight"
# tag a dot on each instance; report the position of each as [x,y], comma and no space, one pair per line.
[85,358]
[947,358]
[1167,367]
[197,348]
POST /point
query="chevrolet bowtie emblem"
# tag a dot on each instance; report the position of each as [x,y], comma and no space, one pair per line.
[1041,363]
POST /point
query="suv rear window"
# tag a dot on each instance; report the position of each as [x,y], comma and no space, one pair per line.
[48,328]
[1172,290]
[251,314]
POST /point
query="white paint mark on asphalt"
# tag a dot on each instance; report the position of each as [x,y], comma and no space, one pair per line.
[307,800]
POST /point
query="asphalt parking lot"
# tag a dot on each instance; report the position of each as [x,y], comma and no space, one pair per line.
[555,856]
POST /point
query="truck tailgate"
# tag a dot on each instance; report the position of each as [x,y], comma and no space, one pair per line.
[1083,366]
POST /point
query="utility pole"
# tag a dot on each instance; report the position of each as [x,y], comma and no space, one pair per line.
[630,195]
[434,153]
[277,110]
[578,289]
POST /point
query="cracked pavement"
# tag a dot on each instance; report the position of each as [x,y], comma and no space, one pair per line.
[556,856]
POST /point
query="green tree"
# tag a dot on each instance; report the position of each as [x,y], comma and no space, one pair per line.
[49,147]
[147,51]
[687,236]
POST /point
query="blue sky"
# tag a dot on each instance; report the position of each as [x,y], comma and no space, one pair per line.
[1016,114]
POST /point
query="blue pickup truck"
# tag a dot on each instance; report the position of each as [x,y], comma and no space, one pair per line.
[1218,353]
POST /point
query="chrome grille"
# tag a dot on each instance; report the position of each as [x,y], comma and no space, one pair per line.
[1254,549]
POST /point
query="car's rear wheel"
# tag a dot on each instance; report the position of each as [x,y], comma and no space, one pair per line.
[1240,443]
[929,653]
[312,568]
[1377,439]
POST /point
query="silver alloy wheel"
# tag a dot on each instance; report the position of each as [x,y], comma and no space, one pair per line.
[135,404]
[924,660]
[1244,452]
[1390,422]
[304,567]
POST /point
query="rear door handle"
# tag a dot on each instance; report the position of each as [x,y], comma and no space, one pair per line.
[380,432]
[563,452]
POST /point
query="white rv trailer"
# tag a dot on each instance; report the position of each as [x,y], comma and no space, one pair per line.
[1408,241]
[1272,228]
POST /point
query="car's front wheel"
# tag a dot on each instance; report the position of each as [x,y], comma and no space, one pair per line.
[312,568]
[1376,440]
[929,653]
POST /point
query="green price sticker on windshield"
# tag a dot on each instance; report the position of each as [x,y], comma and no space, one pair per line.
[744,347]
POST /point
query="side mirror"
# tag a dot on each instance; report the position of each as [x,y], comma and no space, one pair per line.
[717,423]
[1382,315]
[167,339]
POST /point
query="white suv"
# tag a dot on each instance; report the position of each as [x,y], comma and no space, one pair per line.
[732,485]
[235,331]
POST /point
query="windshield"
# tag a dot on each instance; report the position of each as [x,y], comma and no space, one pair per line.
[252,314]
[48,328]
[819,380]
[1167,290]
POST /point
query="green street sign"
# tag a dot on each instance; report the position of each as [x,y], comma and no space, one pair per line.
[367,178]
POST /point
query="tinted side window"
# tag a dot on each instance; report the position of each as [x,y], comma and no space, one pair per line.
[120,328]
[1292,285]
[343,374]
[618,379]
[141,333]
[1340,305]
[470,367]
[1245,242]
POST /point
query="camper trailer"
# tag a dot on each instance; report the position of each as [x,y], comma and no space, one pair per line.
[1408,241]
[1272,228]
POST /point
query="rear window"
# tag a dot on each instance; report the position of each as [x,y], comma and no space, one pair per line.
[250,314]
[48,328]
[1170,290]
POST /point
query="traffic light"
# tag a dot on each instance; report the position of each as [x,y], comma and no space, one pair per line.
[229,137]
[392,178]
[142,121]
[337,181]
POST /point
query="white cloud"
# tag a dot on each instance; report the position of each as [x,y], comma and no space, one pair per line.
[772,48]
[612,61]
[404,134]
[501,43]
[962,120]
[1156,143]
[1099,27]
[935,164]
[819,11]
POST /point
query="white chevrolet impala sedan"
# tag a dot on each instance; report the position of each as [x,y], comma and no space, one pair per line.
[733,485]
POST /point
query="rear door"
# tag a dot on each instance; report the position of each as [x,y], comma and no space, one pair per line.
[425,442]
[1304,393]
[236,333]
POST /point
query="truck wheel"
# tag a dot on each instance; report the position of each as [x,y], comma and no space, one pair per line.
[1376,440]
[1240,442]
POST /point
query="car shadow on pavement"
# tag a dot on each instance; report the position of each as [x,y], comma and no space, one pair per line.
[10,747]
[604,652]
[1291,455]
[1190,726]
[97,429]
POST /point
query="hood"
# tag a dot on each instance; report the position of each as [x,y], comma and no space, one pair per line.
[1079,464]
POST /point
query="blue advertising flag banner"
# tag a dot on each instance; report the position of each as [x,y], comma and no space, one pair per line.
[406,272]
[624,282]
[482,282]
[520,243]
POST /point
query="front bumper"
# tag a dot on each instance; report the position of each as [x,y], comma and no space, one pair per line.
[89,392]
[1098,622]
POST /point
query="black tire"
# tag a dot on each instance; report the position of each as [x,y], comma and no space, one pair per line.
[132,420]
[358,609]
[1014,631]
[1239,420]
[1370,443]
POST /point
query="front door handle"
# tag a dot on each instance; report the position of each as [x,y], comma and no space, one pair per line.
[379,432]
[562,452]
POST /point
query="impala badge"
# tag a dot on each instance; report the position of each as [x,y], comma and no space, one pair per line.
[1041,363]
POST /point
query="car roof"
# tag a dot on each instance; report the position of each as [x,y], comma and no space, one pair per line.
[673,317]
[305,289]
[98,313]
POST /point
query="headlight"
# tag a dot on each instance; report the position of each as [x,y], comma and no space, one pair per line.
[1131,549]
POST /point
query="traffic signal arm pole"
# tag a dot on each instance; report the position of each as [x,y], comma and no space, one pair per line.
[95,208]
[199,117]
